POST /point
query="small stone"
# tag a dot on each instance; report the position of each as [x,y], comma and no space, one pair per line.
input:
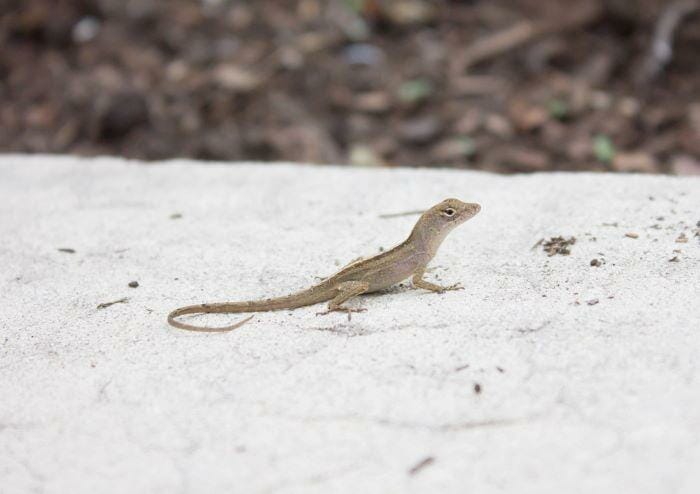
[596,263]
[635,162]
[682,239]
[177,71]
[66,250]
[527,117]
[592,301]
[409,12]
[525,159]
[291,58]
[420,130]
[373,102]
[498,125]
[600,100]
[470,122]
[235,78]
[362,155]
[632,235]
[312,42]
[685,165]
[674,259]
[364,54]
[86,29]
[629,107]
[477,388]
[133,284]
[454,149]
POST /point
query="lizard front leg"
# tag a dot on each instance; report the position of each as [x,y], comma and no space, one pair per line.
[419,282]
[346,291]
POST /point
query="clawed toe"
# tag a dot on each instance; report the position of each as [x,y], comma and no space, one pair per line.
[347,310]
[450,288]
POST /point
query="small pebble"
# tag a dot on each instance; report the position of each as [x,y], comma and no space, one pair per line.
[133,284]
[632,235]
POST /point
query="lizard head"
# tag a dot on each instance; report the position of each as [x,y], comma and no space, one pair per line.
[453,212]
[434,224]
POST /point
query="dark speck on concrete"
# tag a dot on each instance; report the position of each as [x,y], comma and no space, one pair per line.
[428,460]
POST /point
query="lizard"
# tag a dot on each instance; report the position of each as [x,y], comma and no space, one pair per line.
[409,259]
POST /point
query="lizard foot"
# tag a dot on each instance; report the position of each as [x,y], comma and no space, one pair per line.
[443,289]
[456,286]
[347,310]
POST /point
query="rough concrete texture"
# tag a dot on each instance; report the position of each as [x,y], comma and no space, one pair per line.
[546,374]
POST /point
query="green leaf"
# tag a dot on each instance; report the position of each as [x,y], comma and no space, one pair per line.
[415,90]
[558,109]
[603,148]
[356,5]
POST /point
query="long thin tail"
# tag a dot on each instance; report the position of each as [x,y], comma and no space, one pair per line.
[289,302]
[201,309]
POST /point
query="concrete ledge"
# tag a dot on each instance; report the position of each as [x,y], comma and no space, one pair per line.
[546,374]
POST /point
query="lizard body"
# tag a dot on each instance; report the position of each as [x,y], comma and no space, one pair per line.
[409,259]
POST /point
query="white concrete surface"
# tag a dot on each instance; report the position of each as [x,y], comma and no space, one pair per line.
[574,397]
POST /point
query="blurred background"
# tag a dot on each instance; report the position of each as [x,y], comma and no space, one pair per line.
[507,86]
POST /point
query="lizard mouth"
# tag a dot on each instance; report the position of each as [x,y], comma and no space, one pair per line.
[471,209]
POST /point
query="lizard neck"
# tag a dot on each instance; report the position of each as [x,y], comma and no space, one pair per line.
[426,237]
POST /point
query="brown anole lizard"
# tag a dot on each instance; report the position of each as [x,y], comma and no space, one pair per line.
[407,260]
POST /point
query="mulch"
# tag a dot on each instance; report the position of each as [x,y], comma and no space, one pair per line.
[506,86]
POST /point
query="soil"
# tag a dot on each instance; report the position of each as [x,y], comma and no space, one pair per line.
[361,82]
[557,245]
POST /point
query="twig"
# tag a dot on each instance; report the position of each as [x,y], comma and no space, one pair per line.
[396,215]
[524,32]
[500,42]
[477,85]
[661,49]
[104,305]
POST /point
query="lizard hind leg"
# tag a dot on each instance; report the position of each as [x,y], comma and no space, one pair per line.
[346,291]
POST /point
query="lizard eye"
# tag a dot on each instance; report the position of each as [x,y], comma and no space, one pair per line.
[449,212]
